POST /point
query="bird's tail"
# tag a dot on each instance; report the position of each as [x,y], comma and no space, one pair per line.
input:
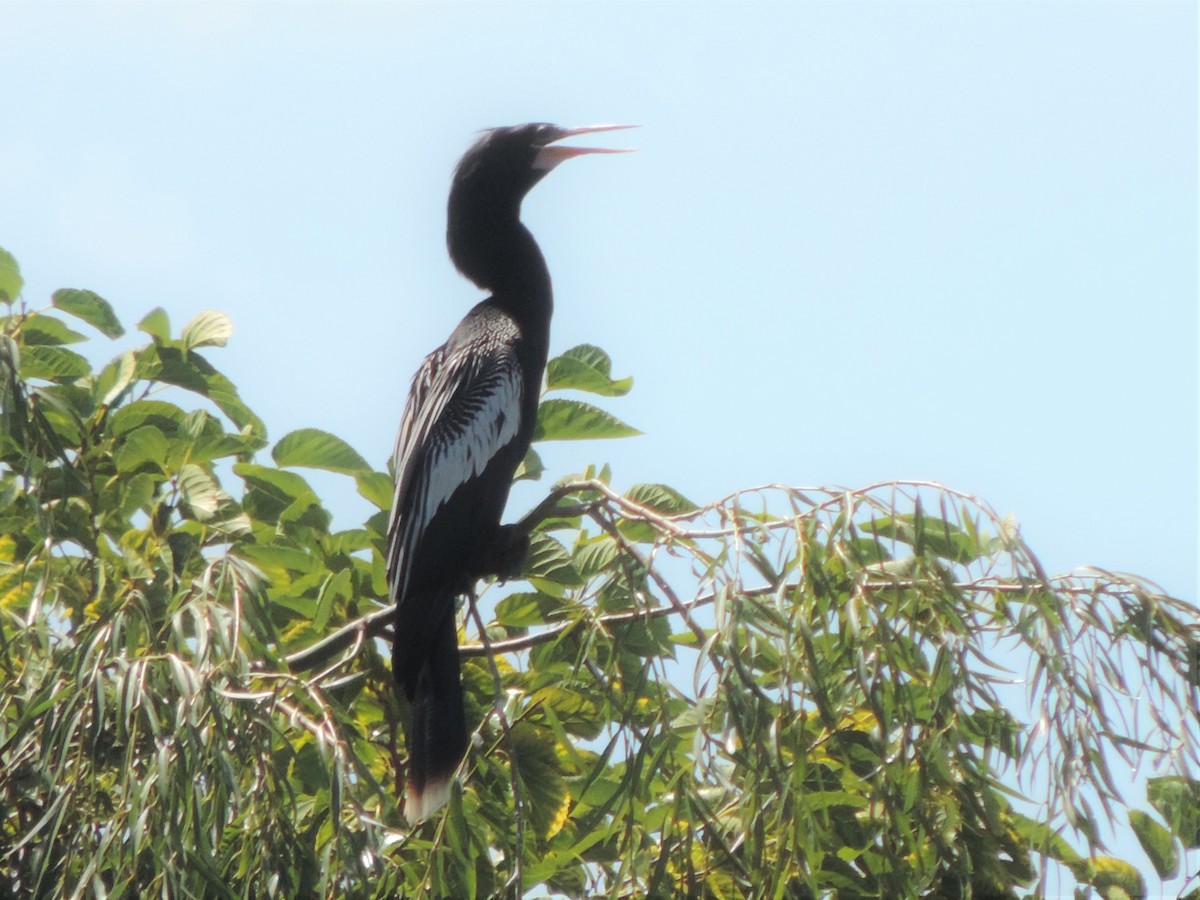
[437,740]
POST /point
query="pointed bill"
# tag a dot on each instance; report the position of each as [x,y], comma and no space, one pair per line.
[553,154]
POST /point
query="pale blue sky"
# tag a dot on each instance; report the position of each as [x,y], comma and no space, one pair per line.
[859,241]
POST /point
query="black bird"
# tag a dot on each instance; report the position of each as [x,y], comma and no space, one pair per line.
[469,420]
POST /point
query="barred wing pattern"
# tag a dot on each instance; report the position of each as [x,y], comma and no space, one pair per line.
[463,408]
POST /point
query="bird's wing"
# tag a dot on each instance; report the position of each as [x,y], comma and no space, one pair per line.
[463,408]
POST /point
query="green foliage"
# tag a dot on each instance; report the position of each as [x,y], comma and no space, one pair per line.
[784,693]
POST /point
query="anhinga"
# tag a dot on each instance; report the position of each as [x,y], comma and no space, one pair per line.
[469,420]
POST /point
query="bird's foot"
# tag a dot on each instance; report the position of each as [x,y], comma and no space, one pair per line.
[508,553]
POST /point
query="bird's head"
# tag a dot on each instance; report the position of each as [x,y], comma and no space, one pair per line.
[485,198]
[500,168]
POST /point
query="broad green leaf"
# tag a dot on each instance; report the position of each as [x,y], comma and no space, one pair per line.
[49,363]
[200,491]
[11,281]
[285,484]
[585,368]
[209,329]
[376,487]
[1157,841]
[1178,800]
[142,445]
[546,790]
[316,449]
[548,564]
[1113,879]
[91,308]
[167,417]
[115,378]
[1044,839]
[157,324]
[661,498]
[572,420]
[39,329]
[524,608]
[190,370]
[930,534]
[531,467]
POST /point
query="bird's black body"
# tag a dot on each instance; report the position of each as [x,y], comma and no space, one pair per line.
[468,424]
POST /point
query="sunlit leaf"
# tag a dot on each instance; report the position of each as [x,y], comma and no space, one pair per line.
[145,444]
[209,329]
[1178,800]
[11,281]
[39,329]
[40,361]
[91,308]
[316,449]
[572,420]
[585,368]
[1157,841]
[157,324]
[661,498]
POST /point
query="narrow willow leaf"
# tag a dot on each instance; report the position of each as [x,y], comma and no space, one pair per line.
[571,420]
[316,449]
[1157,841]
[157,324]
[91,308]
[209,329]
[11,281]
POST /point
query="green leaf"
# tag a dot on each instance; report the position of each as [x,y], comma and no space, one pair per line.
[316,449]
[531,467]
[585,368]
[524,608]
[1157,841]
[142,445]
[927,534]
[209,329]
[376,487]
[201,492]
[1178,800]
[167,417]
[661,498]
[546,789]
[39,329]
[1113,879]
[286,485]
[11,281]
[548,564]
[91,308]
[157,324]
[116,377]
[572,420]
[41,361]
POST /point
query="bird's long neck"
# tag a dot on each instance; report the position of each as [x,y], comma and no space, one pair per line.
[499,254]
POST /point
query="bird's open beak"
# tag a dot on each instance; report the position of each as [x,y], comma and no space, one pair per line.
[552,154]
